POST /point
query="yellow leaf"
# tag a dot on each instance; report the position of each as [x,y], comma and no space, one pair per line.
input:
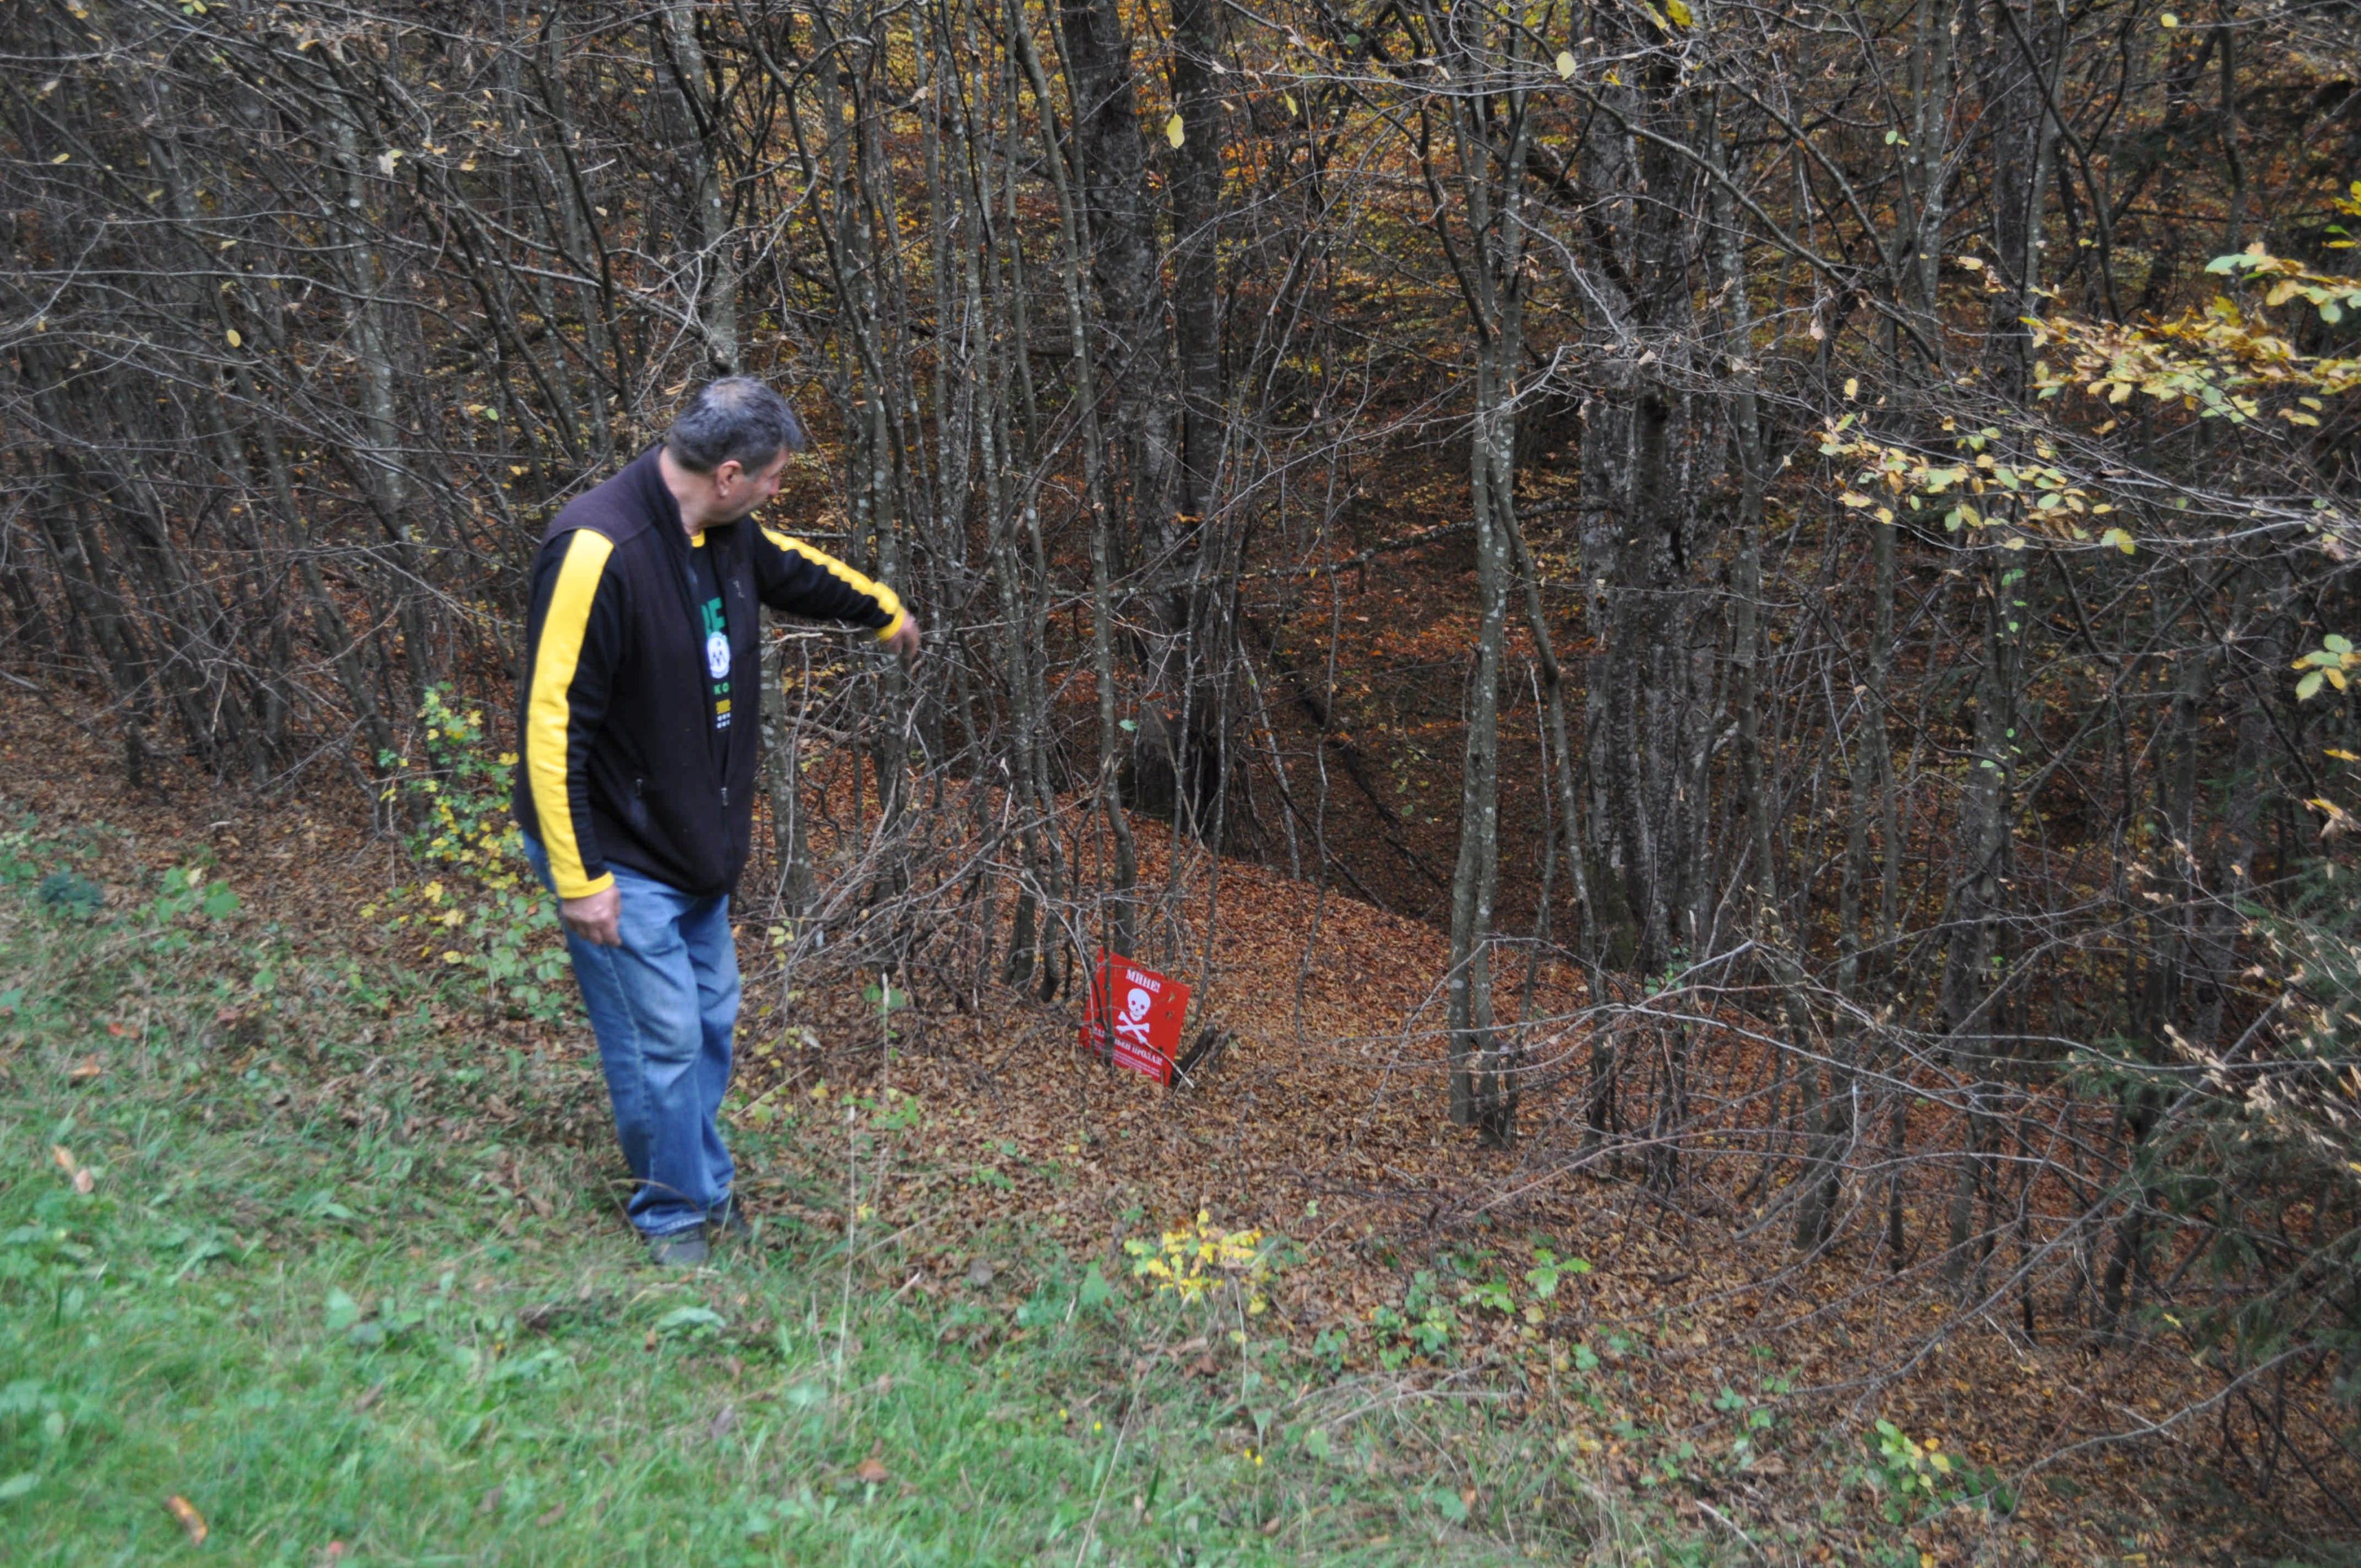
[2119,539]
[2342,755]
[1853,386]
[1679,13]
[190,1521]
[1972,263]
[1174,131]
[2169,20]
[62,158]
[1566,63]
[234,339]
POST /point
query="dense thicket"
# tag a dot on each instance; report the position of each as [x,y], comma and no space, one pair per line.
[1887,539]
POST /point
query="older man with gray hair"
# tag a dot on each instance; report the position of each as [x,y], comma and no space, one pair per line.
[640,716]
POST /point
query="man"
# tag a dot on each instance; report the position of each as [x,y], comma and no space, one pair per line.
[640,721]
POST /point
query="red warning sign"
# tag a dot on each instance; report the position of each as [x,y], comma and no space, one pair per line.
[1134,1015]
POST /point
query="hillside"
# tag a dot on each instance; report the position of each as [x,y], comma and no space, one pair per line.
[1676,1381]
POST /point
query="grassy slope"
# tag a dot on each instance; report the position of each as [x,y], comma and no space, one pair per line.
[354,1343]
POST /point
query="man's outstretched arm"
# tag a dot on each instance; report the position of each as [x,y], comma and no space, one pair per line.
[793,578]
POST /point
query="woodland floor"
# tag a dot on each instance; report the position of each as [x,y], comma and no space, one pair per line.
[1679,1343]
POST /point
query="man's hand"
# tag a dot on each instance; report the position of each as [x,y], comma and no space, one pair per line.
[905,641]
[596,919]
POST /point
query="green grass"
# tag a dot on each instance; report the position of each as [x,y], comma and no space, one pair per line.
[318,1290]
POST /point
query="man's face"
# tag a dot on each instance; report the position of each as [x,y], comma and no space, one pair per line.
[737,491]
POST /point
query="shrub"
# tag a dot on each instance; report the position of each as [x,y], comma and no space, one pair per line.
[478,907]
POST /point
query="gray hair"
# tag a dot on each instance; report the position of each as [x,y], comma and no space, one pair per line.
[734,419]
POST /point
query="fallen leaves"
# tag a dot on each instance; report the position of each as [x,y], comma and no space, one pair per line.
[76,1172]
[190,1521]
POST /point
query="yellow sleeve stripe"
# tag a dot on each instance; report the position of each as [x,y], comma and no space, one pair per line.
[887,600]
[549,714]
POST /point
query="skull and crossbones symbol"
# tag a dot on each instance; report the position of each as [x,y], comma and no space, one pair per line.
[1132,1025]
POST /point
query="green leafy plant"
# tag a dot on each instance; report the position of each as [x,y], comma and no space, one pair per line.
[1549,1270]
[478,912]
[1752,1420]
[1916,1479]
[1424,1326]
[1493,1293]
[70,892]
[2331,661]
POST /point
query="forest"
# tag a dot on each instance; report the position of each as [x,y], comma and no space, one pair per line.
[1719,636]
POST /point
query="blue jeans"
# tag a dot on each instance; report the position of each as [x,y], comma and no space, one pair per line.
[662,1005]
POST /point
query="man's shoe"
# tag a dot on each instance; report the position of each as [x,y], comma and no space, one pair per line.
[681,1249]
[728,1222]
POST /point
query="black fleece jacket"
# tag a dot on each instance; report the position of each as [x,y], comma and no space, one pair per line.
[615,767]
